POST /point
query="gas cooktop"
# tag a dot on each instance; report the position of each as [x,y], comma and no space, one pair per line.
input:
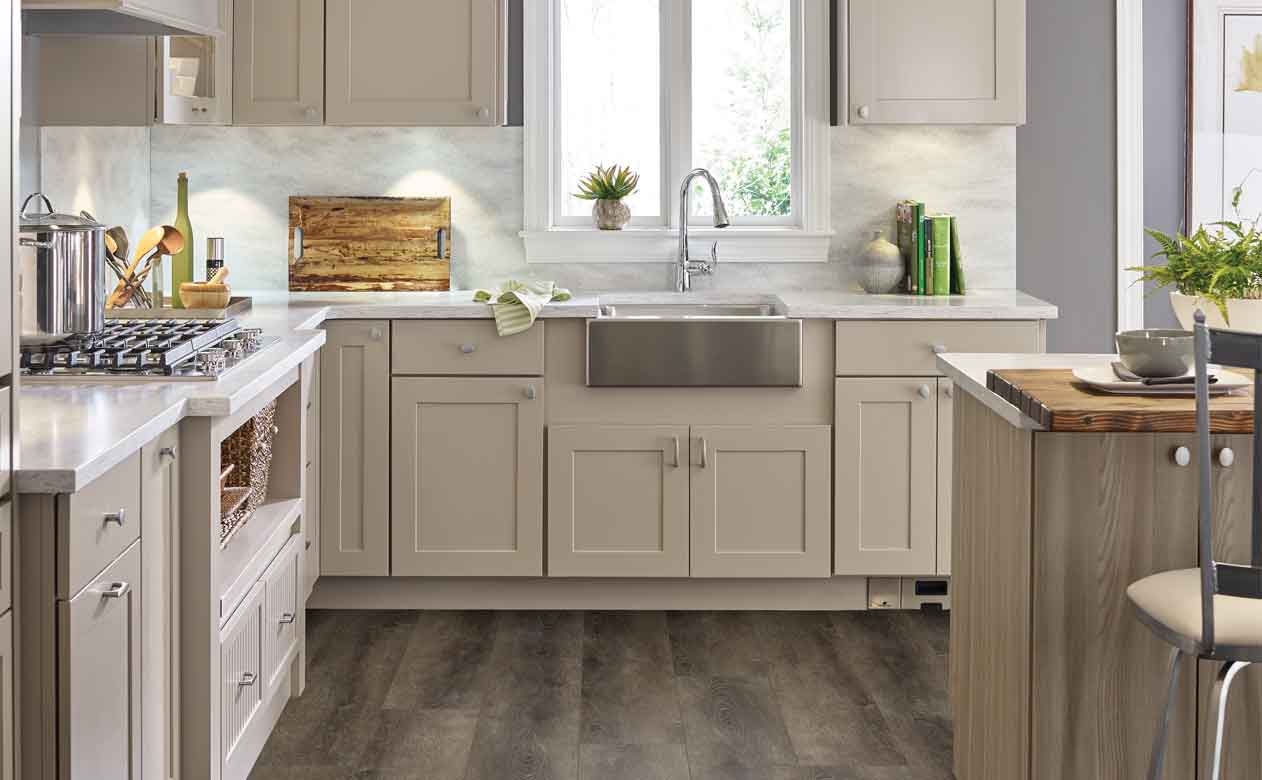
[166,349]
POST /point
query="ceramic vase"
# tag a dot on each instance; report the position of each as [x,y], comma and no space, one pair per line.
[611,214]
[880,266]
[1245,313]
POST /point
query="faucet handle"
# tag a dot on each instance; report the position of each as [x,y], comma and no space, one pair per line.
[714,258]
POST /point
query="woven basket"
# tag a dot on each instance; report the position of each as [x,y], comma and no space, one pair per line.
[249,451]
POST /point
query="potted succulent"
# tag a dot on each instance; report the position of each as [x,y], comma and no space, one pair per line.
[1218,269]
[607,187]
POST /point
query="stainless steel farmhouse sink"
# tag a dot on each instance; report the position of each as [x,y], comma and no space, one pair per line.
[693,344]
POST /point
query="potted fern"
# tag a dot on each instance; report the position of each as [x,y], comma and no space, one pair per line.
[607,187]
[1218,269]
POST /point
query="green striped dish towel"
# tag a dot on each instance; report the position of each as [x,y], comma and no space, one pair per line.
[517,304]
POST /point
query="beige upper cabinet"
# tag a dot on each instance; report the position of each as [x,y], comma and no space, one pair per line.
[760,501]
[278,62]
[885,481]
[355,449]
[415,62]
[618,501]
[467,477]
[912,62]
[147,17]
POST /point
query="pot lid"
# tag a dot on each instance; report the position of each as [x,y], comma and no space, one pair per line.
[51,220]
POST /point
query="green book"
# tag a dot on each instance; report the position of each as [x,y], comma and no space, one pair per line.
[941,254]
[904,213]
[926,280]
[957,259]
[918,222]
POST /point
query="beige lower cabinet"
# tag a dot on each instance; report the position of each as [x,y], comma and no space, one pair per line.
[618,501]
[355,449]
[160,529]
[886,476]
[311,477]
[467,477]
[99,679]
[946,418]
[241,680]
[6,696]
[760,501]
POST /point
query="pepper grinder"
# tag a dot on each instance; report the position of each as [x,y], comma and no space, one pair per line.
[214,256]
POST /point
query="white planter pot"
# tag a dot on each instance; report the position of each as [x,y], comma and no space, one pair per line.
[1245,313]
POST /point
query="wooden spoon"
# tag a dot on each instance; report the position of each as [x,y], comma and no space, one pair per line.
[163,239]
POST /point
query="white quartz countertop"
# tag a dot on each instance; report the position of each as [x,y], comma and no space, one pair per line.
[71,432]
[968,372]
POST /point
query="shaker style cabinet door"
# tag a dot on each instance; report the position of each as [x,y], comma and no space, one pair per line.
[355,449]
[913,62]
[160,556]
[467,477]
[885,479]
[760,501]
[99,677]
[278,62]
[617,501]
[415,62]
[6,697]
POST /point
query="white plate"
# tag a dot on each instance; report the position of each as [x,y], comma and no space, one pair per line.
[1102,378]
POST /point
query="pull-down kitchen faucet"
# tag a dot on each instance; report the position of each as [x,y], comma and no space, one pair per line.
[685,267]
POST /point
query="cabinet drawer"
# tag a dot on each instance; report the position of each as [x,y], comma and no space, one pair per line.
[908,348]
[464,347]
[280,613]
[241,680]
[98,522]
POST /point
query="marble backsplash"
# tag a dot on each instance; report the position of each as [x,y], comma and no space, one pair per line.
[241,178]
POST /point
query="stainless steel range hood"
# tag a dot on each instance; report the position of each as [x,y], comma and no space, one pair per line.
[119,17]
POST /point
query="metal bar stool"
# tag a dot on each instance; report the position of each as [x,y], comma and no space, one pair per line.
[1212,612]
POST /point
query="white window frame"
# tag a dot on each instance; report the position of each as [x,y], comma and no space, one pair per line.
[804,237]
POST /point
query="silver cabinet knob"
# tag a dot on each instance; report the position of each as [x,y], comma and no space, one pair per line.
[167,452]
[483,112]
[468,349]
[864,112]
[310,112]
[288,618]
[247,679]
[1182,456]
[925,392]
[375,334]
[1226,457]
[531,393]
[939,349]
[119,517]
[116,590]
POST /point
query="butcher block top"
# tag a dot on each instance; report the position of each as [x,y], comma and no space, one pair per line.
[1039,392]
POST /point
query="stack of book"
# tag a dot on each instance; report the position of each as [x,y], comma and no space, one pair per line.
[930,244]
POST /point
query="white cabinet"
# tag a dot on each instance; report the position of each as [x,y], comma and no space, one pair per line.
[278,62]
[760,501]
[241,684]
[467,477]
[281,614]
[885,481]
[160,555]
[618,501]
[195,75]
[415,62]
[912,62]
[99,680]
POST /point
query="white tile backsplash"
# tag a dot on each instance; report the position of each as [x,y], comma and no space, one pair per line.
[241,179]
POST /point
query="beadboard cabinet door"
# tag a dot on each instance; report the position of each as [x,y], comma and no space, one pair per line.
[355,449]
[912,62]
[885,479]
[618,501]
[760,501]
[278,62]
[415,62]
[467,477]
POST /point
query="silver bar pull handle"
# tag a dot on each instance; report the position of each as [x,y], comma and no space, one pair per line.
[37,244]
[116,590]
[247,679]
[167,452]
[119,517]
[442,243]
[531,393]
[705,455]
[297,245]
[287,618]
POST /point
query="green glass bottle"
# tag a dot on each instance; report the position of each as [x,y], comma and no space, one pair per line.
[182,262]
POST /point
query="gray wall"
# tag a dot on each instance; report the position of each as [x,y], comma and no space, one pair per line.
[1165,134]
[1067,163]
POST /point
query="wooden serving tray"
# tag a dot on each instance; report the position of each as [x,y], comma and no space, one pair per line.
[236,305]
[359,244]
[1060,403]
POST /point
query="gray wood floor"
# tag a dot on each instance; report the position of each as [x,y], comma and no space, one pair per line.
[619,696]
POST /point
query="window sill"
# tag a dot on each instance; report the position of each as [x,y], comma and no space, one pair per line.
[659,245]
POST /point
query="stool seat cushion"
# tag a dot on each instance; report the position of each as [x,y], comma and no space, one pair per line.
[1171,600]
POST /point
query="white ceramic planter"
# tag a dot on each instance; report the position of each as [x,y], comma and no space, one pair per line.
[1245,313]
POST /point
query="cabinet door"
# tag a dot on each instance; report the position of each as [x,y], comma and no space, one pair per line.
[195,81]
[355,449]
[95,80]
[617,501]
[160,529]
[467,477]
[946,473]
[415,62]
[281,613]
[6,696]
[760,501]
[885,485]
[278,62]
[99,678]
[311,492]
[241,684]
[913,62]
